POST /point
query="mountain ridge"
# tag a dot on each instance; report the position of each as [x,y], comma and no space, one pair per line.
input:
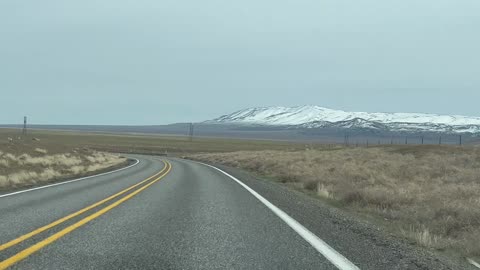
[321,117]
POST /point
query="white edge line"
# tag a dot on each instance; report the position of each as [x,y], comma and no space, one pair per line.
[69,181]
[327,251]
[474,263]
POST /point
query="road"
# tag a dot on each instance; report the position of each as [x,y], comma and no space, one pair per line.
[178,214]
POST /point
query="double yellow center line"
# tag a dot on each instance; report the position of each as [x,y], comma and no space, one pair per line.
[36,247]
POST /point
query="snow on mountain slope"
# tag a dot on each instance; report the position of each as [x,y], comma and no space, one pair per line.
[315,116]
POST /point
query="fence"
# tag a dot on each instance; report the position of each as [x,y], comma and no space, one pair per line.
[363,140]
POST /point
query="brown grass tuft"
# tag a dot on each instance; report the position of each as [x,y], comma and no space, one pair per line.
[41,151]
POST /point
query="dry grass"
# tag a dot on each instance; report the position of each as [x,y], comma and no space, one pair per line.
[430,193]
[35,166]
[41,151]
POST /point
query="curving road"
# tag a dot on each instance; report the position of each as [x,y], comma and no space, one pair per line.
[177,214]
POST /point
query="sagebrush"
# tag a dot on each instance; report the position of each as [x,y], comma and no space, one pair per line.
[24,169]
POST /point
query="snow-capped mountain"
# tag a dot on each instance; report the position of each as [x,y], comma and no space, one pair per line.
[318,117]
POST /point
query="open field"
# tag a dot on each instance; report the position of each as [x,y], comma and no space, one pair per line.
[147,144]
[29,161]
[44,156]
[428,194]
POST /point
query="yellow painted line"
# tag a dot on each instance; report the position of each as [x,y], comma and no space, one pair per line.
[29,251]
[59,221]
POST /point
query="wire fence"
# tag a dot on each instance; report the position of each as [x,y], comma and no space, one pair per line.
[358,141]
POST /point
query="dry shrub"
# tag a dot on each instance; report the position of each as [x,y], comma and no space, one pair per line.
[77,169]
[52,160]
[94,167]
[423,237]
[98,157]
[10,157]
[4,162]
[3,181]
[432,188]
[41,151]
[49,174]
[323,191]
[22,177]
[27,170]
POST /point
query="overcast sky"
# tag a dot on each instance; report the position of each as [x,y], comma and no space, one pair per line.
[157,62]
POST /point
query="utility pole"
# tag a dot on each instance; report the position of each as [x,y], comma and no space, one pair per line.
[24,131]
[190,132]
[347,139]
[422,139]
[460,139]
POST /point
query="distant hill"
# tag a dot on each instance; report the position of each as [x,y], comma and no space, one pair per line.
[308,117]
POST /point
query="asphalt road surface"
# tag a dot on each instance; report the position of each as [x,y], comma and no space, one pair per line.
[176,214]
